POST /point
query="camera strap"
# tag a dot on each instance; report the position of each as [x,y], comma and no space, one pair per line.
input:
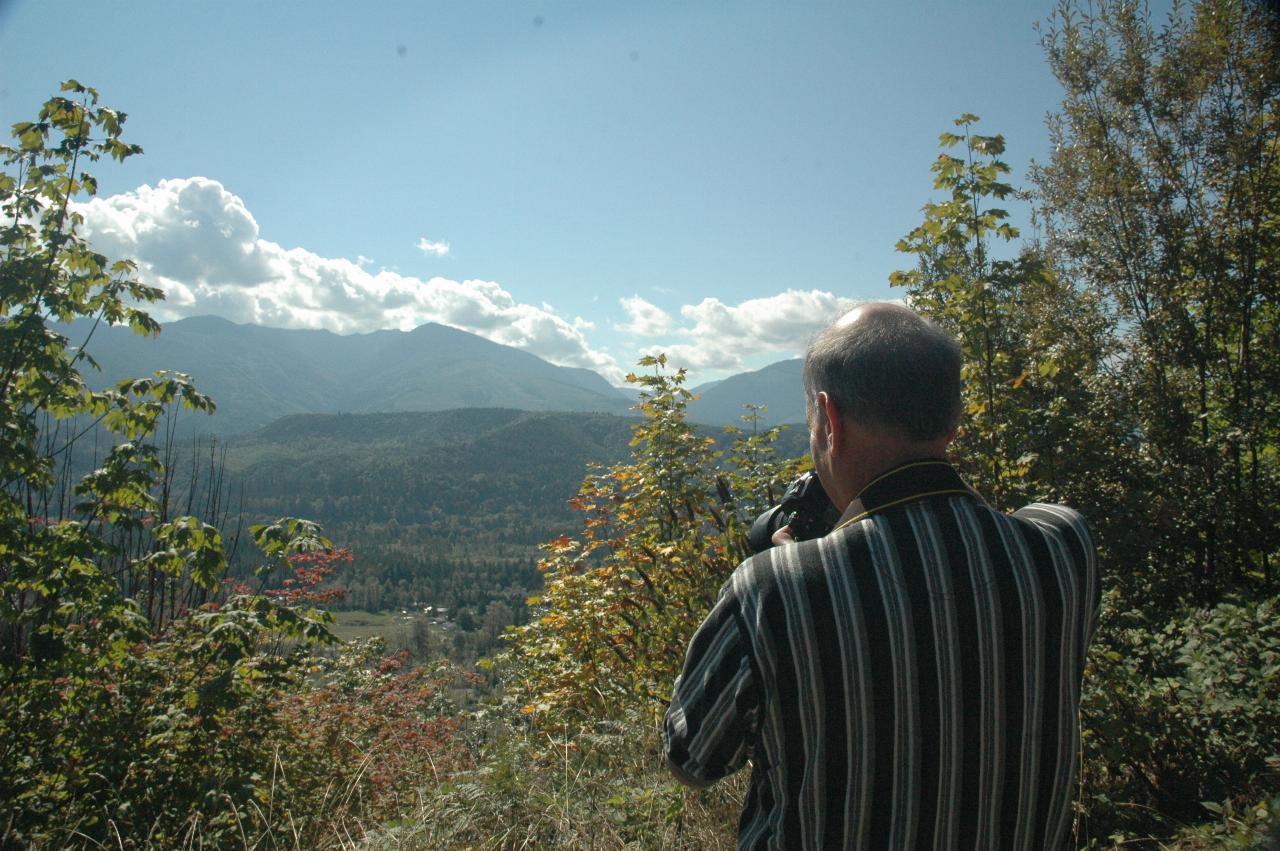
[910,482]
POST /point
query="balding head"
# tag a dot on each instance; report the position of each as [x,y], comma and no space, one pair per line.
[888,368]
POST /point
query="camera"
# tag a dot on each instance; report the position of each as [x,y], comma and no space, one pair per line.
[805,507]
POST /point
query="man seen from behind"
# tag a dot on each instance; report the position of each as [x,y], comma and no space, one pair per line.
[912,679]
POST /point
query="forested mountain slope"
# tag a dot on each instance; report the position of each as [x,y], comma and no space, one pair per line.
[485,478]
[445,507]
[480,476]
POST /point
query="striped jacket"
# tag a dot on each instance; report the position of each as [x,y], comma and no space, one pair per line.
[912,680]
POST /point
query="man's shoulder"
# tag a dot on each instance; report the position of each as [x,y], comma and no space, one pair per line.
[1065,520]
[1066,526]
[779,563]
[792,562]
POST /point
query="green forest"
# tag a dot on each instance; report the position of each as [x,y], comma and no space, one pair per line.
[166,684]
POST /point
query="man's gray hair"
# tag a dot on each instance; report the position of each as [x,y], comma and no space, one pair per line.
[890,369]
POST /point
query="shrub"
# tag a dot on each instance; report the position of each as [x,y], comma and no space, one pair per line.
[1181,713]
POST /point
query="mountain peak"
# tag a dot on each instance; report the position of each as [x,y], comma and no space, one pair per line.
[777,386]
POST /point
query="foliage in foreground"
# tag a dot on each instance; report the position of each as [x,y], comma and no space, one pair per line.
[202,736]
[1179,721]
[660,535]
[144,702]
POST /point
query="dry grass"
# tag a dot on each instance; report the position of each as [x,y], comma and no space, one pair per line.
[599,788]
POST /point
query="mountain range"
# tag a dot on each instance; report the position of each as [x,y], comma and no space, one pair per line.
[257,374]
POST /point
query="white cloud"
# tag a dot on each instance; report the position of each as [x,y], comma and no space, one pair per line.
[200,244]
[437,248]
[647,320]
[723,336]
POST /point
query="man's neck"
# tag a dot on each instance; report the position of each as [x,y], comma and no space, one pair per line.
[869,454]
[870,473]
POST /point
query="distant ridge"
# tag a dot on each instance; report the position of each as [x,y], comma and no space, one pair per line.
[257,374]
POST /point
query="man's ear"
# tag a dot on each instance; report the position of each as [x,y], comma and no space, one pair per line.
[829,422]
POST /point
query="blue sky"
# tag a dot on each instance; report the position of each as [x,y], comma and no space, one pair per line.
[586,180]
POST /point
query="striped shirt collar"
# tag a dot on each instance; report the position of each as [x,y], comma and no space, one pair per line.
[905,483]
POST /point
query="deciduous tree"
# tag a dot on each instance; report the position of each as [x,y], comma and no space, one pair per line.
[1162,195]
[659,537]
[1032,342]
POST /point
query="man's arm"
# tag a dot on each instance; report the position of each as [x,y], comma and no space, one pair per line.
[708,726]
[1073,530]
[686,778]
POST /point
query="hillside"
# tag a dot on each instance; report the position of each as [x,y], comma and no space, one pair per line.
[491,479]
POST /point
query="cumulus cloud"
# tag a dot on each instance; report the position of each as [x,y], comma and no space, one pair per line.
[722,336]
[199,243]
[438,248]
[647,320]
